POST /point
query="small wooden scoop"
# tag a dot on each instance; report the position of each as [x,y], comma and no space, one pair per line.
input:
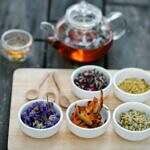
[34,93]
[63,100]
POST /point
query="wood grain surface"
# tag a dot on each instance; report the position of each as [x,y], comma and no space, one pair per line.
[25,79]
[133,48]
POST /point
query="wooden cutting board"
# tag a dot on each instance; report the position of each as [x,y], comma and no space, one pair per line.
[25,79]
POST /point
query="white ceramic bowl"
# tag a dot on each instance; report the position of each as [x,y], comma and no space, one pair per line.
[39,133]
[83,132]
[127,134]
[84,94]
[130,73]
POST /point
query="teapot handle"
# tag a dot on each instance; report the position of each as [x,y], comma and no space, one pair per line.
[49,30]
[117,23]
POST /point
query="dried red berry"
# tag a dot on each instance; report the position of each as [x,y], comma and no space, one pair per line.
[91,80]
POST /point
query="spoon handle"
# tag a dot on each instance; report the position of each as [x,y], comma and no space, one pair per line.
[54,79]
[43,80]
[64,102]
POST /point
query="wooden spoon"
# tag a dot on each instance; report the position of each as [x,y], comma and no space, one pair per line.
[34,93]
[63,100]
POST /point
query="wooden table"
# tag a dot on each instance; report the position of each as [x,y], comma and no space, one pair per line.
[130,51]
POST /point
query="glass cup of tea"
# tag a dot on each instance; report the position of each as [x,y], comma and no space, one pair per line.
[16,44]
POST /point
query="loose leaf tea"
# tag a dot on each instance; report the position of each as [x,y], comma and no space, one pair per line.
[134,120]
[91,80]
[134,85]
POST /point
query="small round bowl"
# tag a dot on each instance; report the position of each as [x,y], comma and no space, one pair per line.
[130,73]
[85,94]
[127,134]
[39,133]
[84,132]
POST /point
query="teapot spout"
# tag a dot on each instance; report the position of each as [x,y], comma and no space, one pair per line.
[49,31]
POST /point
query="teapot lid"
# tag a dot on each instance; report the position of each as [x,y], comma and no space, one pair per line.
[83,15]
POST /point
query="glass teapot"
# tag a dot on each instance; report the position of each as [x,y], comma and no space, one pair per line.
[83,34]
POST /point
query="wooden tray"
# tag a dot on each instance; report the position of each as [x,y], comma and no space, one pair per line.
[25,79]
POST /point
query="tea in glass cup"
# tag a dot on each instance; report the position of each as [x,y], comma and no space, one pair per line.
[16,44]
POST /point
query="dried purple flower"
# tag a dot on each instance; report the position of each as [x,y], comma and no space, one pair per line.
[40,115]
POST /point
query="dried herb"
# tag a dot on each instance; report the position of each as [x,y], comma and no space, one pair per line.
[40,115]
[135,120]
[91,80]
[88,116]
[134,85]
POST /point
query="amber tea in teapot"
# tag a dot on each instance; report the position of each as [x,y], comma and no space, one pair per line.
[83,54]
[83,34]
